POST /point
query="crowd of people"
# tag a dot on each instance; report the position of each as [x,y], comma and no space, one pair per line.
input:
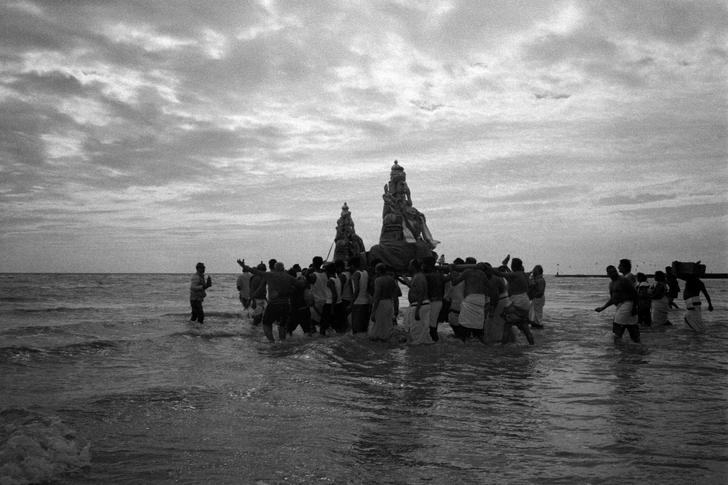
[477,300]
[639,303]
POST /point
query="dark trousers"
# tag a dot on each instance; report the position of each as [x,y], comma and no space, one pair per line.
[198,314]
[327,318]
[300,316]
[360,318]
[339,322]
[634,331]
[276,312]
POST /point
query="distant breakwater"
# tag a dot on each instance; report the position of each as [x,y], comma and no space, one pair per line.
[707,276]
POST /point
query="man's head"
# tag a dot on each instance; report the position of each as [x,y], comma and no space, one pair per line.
[612,272]
[330,269]
[200,267]
[517,264]
[278,266]
[625,266]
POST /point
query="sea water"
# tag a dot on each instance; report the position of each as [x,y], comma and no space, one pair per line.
[103,379]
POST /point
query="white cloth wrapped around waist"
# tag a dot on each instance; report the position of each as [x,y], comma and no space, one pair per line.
[472,311]
[623,314]
[693,314]
[418,330]
[521,301]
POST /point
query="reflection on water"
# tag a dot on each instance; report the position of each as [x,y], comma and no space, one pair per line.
[158,400]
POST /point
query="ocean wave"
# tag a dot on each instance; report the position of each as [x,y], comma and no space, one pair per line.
[207,333]
[22,354]
[35,448]
[58,309]
[34,330]
[176,398]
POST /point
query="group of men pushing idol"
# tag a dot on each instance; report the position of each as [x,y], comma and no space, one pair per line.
[477,300]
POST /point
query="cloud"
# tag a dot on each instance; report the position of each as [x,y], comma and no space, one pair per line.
[667,214]
[158,125]
[639,199]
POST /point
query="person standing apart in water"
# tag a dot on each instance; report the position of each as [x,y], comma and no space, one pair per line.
[198,285]
[622,295]
[243,285]
[691,294]
[644,301]
[660,304]
[673,287]
[536,292]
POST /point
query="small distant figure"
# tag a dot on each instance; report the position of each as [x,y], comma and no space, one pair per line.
[198,285]
[300,301]
[361,299]
[385,293]
[435,293]
[258,294]
[691,295]
[517,313]
[660,304]
[536,292]
[318,281]
[673,287]
[417,316]
[644,301]
[455,294]
[475,300]
[622,295]
[281,286]
[243,286]
[334,310]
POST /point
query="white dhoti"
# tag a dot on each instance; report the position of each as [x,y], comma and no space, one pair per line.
[623,315]
[521,301]
[536,312]
[418,331]
[472,311]
[660,309]
[316,310]
[693,314]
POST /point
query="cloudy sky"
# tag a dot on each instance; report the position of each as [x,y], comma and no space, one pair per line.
[141,136]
